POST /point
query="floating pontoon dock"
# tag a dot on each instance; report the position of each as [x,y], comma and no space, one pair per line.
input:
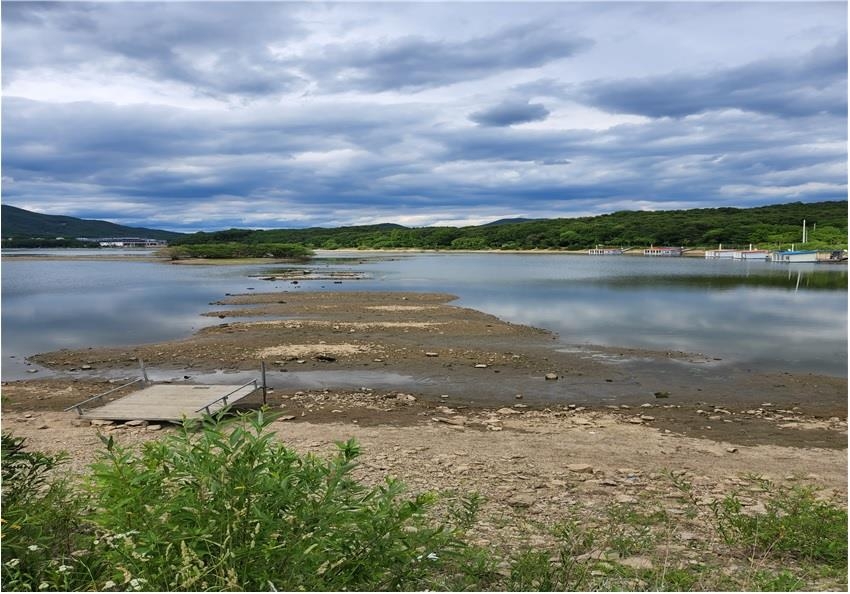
[166,402]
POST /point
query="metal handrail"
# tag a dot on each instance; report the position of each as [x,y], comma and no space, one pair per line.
[226,396]
[79,405]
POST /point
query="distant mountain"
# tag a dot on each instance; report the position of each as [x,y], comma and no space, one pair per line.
[509,222]
[20,223]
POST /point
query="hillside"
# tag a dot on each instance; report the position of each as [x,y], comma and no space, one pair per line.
[774,227]
[19,223]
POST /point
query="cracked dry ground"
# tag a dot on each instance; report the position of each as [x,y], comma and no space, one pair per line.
[538,463]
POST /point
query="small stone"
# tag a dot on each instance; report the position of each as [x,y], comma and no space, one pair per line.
[32,370]
[444,396]
[520,406]
[136,423]
[432,354]
[635,421]
[522,500]
[580,468]
[300,361]
[86,367]
[731,450]
[377,360]
[625,499]
[646,405]
[101,423]
[80,422]
[551,376]
[43,426]
[639,563]
[519,397]
[481,366]
[286,418]
[647,418]
[507,411]
[153,427]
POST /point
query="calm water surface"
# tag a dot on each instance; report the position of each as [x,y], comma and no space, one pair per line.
[768,316]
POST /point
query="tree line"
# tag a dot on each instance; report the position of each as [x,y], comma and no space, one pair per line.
[769,227]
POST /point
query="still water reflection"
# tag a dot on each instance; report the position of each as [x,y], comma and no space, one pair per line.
[769,316]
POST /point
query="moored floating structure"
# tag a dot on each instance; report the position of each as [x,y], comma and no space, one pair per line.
[605,251]
[791,256]
[663,251]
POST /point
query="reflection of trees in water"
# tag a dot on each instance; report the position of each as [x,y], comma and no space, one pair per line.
[790,279]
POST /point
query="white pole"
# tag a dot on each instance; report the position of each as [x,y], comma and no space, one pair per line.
[804,230]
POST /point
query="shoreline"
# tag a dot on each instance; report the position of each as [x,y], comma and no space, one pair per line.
[420,343]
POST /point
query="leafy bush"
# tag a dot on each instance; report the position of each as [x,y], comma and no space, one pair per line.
[41,521]
[226,507]
[237,250]
[795,524]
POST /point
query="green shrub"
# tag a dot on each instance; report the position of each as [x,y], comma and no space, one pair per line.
[232,508]
[795,524]
[237,250]
[41,528]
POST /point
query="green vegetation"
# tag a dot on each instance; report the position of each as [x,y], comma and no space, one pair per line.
[237,250]
[770,227]
[223,505]
[795,524]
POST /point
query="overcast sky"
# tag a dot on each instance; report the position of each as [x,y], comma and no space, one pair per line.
[209,115]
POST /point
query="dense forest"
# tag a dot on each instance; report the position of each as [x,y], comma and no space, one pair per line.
[769,227]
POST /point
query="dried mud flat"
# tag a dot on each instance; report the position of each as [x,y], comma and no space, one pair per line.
[538,459]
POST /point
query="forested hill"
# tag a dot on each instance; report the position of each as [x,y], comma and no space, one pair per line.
[767,226]
[18,223]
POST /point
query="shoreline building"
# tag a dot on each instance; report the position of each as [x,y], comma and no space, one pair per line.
[663,251]
[127,242]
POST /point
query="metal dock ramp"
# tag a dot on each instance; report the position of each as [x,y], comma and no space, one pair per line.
[167,402]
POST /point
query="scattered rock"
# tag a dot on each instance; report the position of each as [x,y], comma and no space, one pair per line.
[136,423]
[580,468]
[551,376]
[101,423]
[522,500]
[639,563]
[432,354]
[286,418]
[731,450]
[153,427]
[507,411]
[86,367]
[519,397]
[647,418]
[481,366]
[80,422]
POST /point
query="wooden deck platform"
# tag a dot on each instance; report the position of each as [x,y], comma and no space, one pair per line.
[170,402]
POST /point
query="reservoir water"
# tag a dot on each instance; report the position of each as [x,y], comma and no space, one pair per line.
[768,316]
